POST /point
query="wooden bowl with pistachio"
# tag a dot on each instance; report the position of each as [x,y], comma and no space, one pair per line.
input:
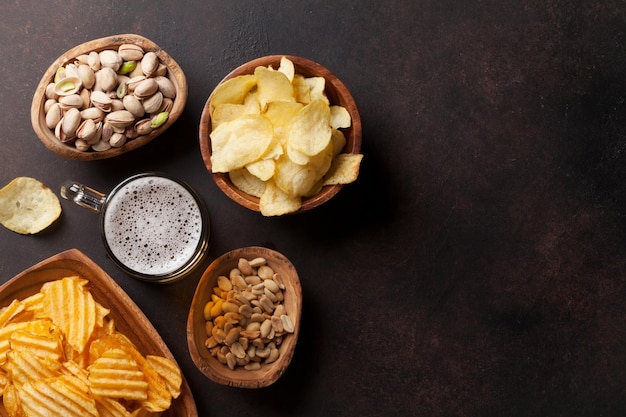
[244,319]
[107,97]
[298,168]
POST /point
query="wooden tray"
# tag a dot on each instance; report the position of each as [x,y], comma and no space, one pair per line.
[129,319]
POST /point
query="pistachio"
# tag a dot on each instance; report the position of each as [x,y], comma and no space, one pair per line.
[48,104]
[73,100]
[130,52]
[50,93]
[120,118]
[159,119]
[110,59]
[101,100]
[87,76]
[133,105]
[117,104]
[146,88]
[70,122]
[122,89]
[67,86]
[127,67]
[134,81]
[166,105]
[106,79]
[117,140]
[143,127]
[101,146]
[153,103]
[82,145]
[86,130]
[166,86]
[92,113]
[93,60]
[53,116]
[149,63]
[107,131]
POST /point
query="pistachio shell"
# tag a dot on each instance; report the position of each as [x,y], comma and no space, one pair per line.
[70,122]
[149,63]
[133,105]
[160,71]
[143,127]
[111,59]
[166,86]
[50,91]
[130,52]
[101,146]
[117,140]
[93,113]
[101,100]
[133,82]
[67,86]
[71,71]
[48,103]
[153,103]
[106,79]
[146,88]
[86,75]
[166,105]
[93,60]
[120,118]
[86,130]
[107,131]
[73,100]
[82,145]
[53,116]
[117,104]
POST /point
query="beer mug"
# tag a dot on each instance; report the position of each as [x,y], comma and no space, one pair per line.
[154,227]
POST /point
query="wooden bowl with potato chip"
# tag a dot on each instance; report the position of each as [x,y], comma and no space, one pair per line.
[129,320]
[247,190]
[284,337]
[68,148]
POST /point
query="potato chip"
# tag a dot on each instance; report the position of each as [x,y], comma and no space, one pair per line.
[25,367]
[310,130]
[240,142]
[308,89]
[246,182]
[225,113]
[287,68]
[116,374]
[11,401]
[272,86]
[344,169]
[109,407]
[263,169]
[27,206]
[72,308]
[169,371]
[42,345]
[63,395]
[233,91]
[339,117]
[11,310]
[275,202]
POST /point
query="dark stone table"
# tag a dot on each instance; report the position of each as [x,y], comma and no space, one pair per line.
[478,265]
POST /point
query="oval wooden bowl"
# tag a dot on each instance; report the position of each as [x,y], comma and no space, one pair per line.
[196,334]
[38,117]
[129,319]
[338,94]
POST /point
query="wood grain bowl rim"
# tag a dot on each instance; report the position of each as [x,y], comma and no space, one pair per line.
[38,118]
[337,93]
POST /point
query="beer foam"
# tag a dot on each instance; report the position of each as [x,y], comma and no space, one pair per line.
[153,225]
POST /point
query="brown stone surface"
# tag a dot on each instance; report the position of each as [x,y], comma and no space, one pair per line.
[477,267]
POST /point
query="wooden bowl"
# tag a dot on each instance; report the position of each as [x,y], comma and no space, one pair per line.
[338,94]
[129,319]
[38,117]
[196,333]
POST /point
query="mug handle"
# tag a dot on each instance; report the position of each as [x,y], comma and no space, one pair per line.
[83,196]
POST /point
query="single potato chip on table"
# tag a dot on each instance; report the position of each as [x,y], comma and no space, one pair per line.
[27,206]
